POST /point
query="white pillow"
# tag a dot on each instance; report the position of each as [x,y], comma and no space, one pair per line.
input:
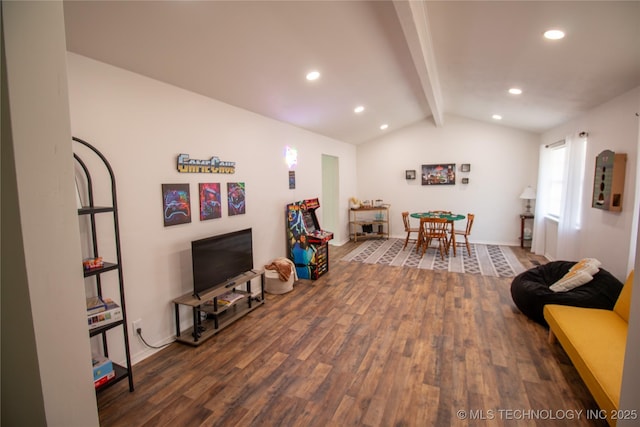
[571,280]
[590,265]
[582,272]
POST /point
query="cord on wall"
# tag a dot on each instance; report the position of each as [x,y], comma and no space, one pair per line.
[139,333]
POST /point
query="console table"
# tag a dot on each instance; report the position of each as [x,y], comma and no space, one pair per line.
[218,316]
[362,225]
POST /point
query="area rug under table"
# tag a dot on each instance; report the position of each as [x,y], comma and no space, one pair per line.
[488,260]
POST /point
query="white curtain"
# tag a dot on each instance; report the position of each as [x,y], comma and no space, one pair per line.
[572,202]
[538,243]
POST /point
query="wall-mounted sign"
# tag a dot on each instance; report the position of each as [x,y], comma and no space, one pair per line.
[292,180]
[213,165]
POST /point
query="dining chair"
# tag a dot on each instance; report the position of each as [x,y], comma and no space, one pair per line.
[465,233]
[450,225]
[408,229]
[434,229]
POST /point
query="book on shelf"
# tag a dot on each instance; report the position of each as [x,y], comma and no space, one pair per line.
[95,305]
[229,298]
[111,314]
[100,381]
[102,366]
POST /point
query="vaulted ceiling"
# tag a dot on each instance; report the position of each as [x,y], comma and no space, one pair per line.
[402,61]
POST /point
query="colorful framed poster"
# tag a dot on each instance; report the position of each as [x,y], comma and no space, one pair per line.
[439,174]
[210,201]
[176,204]
[236,198]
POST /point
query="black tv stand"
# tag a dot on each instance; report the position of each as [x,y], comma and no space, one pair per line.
[218,317]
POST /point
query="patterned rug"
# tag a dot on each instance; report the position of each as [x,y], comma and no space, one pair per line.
[487,260]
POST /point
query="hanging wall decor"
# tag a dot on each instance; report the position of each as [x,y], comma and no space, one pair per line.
[176,204]
[236,198]
[212,165]
[210,201]
[292,180]
[608,181]
[439,174]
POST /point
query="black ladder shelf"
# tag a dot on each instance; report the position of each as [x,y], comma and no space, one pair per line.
[121,372]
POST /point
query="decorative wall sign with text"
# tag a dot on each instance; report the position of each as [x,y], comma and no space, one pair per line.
[213,165]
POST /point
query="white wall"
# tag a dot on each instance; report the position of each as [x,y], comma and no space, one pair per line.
[503,162]
[606,235]
[46,358]
[612,237]
[141,126]
[630,389]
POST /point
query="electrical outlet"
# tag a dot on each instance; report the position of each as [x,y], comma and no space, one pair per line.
[137,324]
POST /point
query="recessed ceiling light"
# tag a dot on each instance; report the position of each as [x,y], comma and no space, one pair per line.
[358,109]
[554,34]
[515,91]
[496,117]
[313,75]
[384,126]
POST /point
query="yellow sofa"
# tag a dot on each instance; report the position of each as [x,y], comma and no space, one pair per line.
[595,341]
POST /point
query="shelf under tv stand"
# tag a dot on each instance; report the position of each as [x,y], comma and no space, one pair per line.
[218,316]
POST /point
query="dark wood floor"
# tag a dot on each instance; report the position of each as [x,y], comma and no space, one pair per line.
[365,345]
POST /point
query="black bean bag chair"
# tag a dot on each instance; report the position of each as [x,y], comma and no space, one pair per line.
[530,290]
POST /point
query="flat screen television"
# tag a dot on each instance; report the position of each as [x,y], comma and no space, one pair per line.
[218,259]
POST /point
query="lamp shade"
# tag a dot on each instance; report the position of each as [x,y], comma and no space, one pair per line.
[528,193]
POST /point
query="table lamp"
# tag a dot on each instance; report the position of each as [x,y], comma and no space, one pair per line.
[528,194]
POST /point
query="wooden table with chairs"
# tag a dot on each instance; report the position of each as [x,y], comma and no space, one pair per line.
[427,225]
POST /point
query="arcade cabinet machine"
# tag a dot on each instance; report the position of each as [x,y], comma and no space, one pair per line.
[307,243]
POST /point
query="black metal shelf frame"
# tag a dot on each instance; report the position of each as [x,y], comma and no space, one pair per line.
[122,372]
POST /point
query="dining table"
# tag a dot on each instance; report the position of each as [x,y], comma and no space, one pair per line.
[450,217]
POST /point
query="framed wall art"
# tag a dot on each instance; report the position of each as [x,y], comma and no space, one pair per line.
[210,201]
[410,174]
[439,174]
[465,167]
[236,198]
[292,180]
[176,204]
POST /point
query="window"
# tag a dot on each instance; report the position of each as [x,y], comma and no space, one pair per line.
[556,178]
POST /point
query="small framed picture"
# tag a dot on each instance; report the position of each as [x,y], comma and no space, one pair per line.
[465,167]
[410,174]
[465,180]
[292,180]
